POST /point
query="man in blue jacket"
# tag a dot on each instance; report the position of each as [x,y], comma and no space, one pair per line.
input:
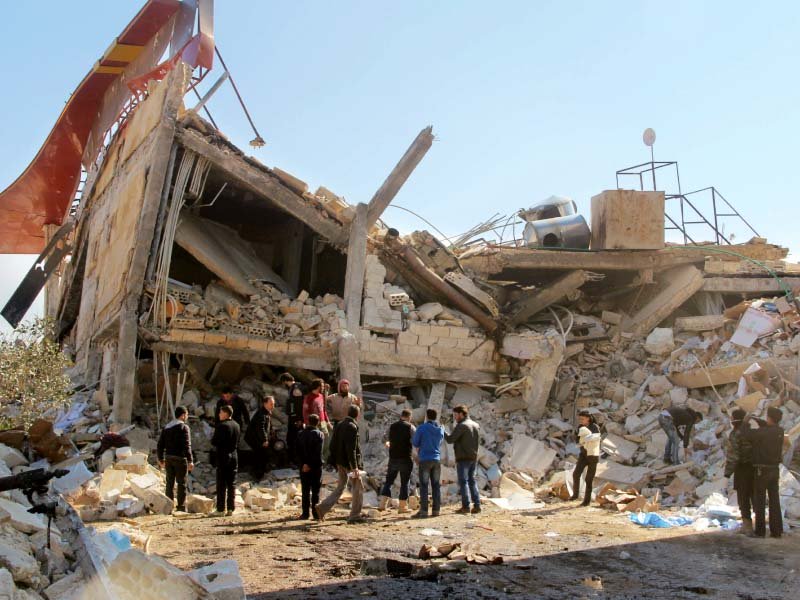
[427,440]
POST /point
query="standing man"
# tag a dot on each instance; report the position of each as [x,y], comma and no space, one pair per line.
[401,434]
[767,443]
[589,440]
[240,413]
[739,463]
[258,436]
[314,404]
[428,440]
[338,404]
[309,452]
[294,414]
[174,452]
[677,423]
[346,457]
[226,440]
[466,440]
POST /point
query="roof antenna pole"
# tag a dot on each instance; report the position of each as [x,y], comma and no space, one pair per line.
[258,141]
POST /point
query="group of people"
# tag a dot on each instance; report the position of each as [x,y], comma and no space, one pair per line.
[324,429]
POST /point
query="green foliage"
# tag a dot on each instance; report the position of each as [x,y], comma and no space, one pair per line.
[32,374]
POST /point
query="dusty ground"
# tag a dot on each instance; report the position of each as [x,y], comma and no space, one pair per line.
[280,557]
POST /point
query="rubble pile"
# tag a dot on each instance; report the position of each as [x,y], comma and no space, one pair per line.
[269,314]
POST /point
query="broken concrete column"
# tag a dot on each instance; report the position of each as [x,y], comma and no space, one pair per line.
[540,377]
[436,399]
[679,284]
[349,365]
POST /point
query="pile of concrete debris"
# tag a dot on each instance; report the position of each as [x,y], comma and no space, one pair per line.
[269,313]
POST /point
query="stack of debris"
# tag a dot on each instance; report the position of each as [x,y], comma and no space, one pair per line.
[269,313]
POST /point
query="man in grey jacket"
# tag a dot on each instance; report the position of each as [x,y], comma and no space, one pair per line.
[466,441]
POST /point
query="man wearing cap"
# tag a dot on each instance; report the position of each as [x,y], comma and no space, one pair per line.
[339,403]
[739,464]
[767,443]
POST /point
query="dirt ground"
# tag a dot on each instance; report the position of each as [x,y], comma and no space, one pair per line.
[547,553]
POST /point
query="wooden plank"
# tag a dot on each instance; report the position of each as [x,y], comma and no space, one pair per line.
[543,297]
[263,184]
[749,285]
[401,172]
[492,261]
[700,377]
[681,284]
[701,323]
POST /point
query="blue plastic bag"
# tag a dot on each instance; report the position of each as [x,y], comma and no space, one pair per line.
[651,519]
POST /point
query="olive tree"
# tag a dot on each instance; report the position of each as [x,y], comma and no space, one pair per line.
[33,380]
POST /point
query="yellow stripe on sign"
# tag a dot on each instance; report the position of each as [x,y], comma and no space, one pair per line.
[123,52]
[109,70]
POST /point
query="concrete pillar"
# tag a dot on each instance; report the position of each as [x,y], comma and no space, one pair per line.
[540,377]
[356,266]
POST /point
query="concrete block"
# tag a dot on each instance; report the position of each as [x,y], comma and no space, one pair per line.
[19,517]
[112,484]
[407,338]
[526,347]
[412,350]
[660,341]
[426,340]
[22,566]
[440,331]
[221,579]
[618,448]
[12,457]
[135,463]
[436,398]
[195,503]
[459,332]
[530,455]
[133,573]
[447,342]
[628,219]
[420,329]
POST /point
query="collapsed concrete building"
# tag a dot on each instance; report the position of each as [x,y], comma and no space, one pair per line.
[185,264]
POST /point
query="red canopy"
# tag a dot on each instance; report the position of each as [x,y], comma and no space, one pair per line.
[45,189]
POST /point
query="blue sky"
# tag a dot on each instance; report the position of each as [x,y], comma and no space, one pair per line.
[527,99]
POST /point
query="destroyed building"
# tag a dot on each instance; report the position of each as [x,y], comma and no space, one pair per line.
[183,264]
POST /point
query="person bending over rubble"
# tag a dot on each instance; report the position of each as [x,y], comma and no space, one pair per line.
[240,413]
[466,440]
[767,442]
[346,457]
[401,435]
[739,464]
[309,452]
[174,452]
[677,423]
[589,440]
[225,441]
[258,436]
[428,440]
[294,414]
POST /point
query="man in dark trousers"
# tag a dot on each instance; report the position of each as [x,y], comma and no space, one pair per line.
[428,441]
[225,441]
[309,453]
[240,413]
[589,441]
[466,440]
[174,452]
[258,436]
[677,423]
[767,443]
[401,434]
[739,464]
[346,457]
[294,414]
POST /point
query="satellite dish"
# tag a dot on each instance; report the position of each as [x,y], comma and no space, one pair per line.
[649,137]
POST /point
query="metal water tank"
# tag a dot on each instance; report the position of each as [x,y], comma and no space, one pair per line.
[570,231]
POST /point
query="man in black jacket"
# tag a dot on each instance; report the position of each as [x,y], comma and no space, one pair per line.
[466,440]
[346,457]
[767,452]
[294,414]
[309,454]
[240,413]
[174,452]
[225,440]
[400,435]
[258,436]
[677,423]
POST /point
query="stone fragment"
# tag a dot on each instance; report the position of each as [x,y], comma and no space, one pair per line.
[23,566]
[66,588]
[221,579]
[19,517]
[660,341]
[195,503]
[659,385]
[112,484]
[12,457]
[619,448]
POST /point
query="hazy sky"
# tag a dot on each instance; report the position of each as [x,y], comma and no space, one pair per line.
[527,99]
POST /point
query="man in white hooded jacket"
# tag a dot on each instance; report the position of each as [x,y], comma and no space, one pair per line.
[589,440]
